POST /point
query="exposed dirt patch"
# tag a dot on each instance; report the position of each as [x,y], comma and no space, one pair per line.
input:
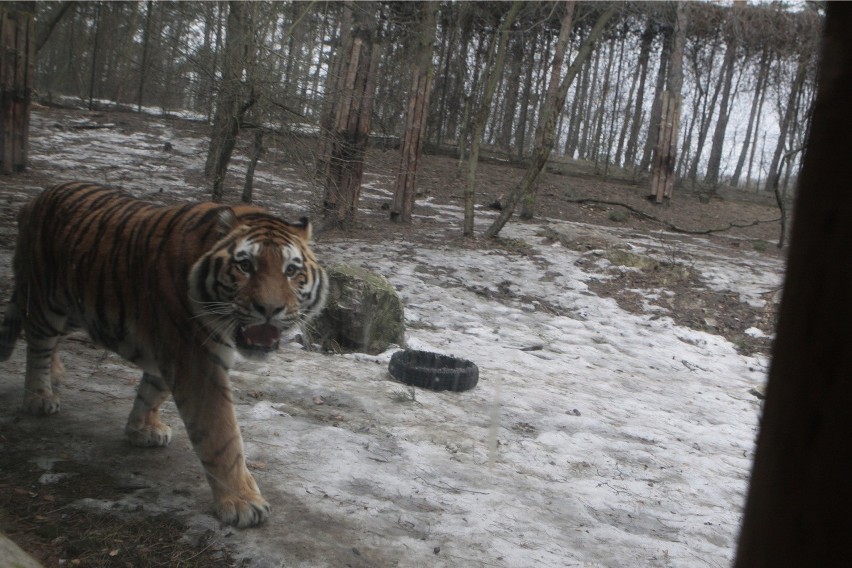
[39,511]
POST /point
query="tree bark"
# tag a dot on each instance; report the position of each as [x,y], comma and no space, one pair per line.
[656,108]
[665,155]
[416,115]
[353,94]
[799,498]
[549,119]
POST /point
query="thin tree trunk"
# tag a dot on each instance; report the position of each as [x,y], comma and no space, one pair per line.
[544,135]
[415,119]
[656,106]
[256,151]
[636,121]
[665,156]
[774,173]
[481,116]
[714,162]
[548,120]
[229,110]
[95,50]
[763,74]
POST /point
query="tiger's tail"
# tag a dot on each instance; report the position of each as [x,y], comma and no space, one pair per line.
[10,328]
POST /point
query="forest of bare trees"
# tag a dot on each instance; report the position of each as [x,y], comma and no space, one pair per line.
[725,102]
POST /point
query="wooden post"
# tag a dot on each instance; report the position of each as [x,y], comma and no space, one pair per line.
[16,71]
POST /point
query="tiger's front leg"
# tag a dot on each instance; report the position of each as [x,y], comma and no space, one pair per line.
[44,367]
[207,410]
[144,427]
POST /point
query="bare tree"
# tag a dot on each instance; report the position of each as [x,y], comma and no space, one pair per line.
[494,71]
[547,122]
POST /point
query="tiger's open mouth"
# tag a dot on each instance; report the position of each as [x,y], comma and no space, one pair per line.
[261,338]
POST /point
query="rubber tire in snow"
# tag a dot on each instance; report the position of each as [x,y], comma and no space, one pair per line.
[433,371]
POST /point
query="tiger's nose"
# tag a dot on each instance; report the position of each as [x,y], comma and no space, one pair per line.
[268,311]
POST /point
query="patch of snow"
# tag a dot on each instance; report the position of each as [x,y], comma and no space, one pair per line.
[624,440]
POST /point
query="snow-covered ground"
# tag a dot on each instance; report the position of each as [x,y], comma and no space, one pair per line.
[595,437]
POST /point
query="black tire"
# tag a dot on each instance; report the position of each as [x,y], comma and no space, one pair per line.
[433,371]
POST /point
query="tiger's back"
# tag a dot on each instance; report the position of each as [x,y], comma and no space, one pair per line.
[175,290]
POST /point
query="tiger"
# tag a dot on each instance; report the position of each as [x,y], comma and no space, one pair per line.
[175,290]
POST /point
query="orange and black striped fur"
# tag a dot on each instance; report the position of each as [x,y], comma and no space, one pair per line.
[175,290]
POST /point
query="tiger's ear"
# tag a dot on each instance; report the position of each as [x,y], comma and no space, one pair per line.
[226,220]
[306,226]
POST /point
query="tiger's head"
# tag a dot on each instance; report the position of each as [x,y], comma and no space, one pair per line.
[258,282]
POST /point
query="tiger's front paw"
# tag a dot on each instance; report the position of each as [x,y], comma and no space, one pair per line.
[243,511]
[148,435]
[41,403]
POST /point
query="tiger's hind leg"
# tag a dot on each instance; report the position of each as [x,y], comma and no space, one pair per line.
[144,427]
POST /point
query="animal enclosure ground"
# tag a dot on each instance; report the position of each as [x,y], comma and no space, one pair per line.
[612,425]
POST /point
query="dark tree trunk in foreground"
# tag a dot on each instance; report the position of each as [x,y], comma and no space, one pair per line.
[354,87]
[415,117]
[799,501]
[549,116]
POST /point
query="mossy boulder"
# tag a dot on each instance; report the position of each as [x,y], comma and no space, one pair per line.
[363,314]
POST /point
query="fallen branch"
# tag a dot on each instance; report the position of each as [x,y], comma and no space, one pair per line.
[672,226]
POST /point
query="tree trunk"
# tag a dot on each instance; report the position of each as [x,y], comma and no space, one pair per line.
[636,121]
[415,119]
[523,118]
[799,498]
[50,24]
[665,155]
[656,106]
[355,86]
[481,115]
[513,87]
[715,161]
[229,110]
[544,135]
[549,118]
[256,151]
[760,82]
[773,175]
[95,49]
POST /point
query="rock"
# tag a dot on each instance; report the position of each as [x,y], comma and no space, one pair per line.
[363,313]
[13,555]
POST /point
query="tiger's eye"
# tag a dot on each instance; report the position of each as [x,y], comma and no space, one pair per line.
[291,270]
[245,266]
